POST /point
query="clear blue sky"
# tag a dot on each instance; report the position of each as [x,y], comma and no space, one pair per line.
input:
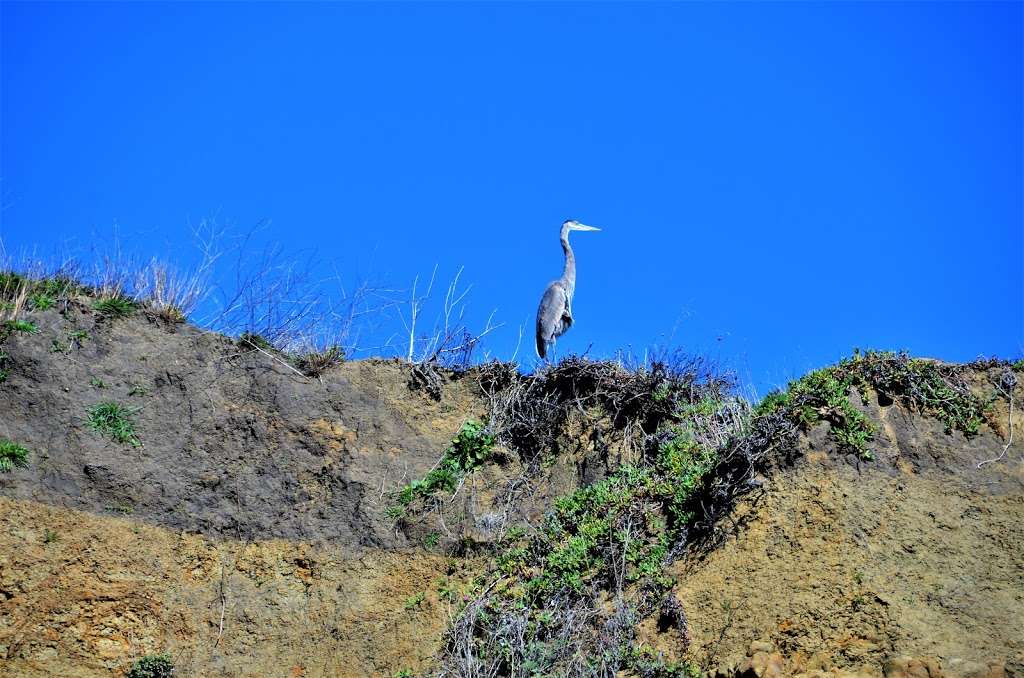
[777,183]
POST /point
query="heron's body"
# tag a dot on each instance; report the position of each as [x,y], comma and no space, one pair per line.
[554,315]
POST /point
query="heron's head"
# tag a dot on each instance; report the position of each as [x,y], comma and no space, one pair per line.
[573,225]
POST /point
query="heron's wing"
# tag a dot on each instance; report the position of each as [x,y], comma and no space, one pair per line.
[550,316]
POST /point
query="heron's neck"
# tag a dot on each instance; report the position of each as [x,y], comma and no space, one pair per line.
[569,274]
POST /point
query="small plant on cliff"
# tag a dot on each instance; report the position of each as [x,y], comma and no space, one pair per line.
[315,363]
[153,666]
[41,301]
[253,340]
[114,420]
[115,307]
[25,326]
[12,455]
[470,448]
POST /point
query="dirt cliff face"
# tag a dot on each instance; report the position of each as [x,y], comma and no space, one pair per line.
[252,533]
[841,565]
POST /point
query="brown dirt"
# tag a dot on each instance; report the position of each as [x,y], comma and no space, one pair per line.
[841,565]
[104,591]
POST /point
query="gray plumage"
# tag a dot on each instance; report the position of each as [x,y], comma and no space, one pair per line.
[554,315]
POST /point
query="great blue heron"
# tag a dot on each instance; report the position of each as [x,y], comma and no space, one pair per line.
[554,315]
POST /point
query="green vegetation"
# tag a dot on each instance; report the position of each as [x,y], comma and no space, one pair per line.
[96,382]
[114,420]
[12,455]
[404,673]
[153,666]
[58,346]
[470,448]
[41,301]
[253,340]
[123,508]
[5,366]
[115,307]
[414,601]
[571,591]
[78,336]
[49,536]
[926,386]
[25,326]
[431,540]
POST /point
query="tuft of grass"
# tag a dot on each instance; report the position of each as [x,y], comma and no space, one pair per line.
[41,301]
[96,382]
[114,420]
[171,314]
[12,455]
[315,363]
[49,536]
[25,326]
[152,666]
[5,366]
[253,340]
[115,307]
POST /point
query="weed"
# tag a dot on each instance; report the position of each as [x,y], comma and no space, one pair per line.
[5,365]
[394,513]
[12,455]
[137,390]
[112,419]
[25,326]
[96,382]
[153,666]
[115,307]
[470,448]
[49,536]
[40,301]
[315,363]
[122,508]
[431,540]
[171,314]
[58,346]
[414,601]
[404,673]
[251,340]
[1018,366]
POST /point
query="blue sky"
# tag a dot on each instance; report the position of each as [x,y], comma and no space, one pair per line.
[776,183]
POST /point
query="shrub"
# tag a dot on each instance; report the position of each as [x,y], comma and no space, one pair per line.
[112,419]
[153,666]
[12,456]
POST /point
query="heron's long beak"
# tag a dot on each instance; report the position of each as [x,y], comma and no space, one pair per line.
[582,227]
